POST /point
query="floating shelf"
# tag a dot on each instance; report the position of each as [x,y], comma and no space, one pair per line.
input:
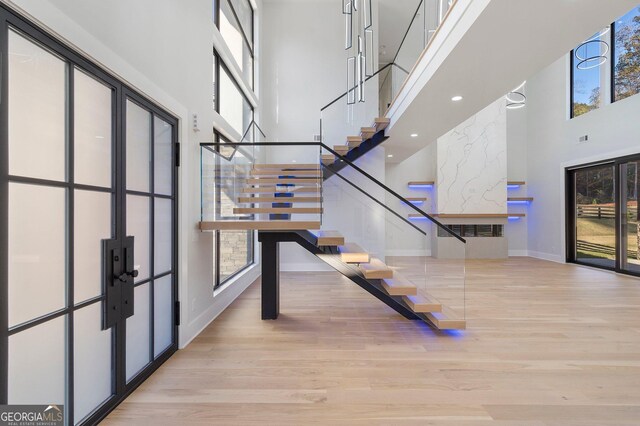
[516,216]
[416,200]
[421,184]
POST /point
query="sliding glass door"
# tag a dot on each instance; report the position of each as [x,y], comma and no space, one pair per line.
[629,217]
[87,230]
[603,228]
[595,218]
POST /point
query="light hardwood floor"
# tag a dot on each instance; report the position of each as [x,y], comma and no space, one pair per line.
[546,344]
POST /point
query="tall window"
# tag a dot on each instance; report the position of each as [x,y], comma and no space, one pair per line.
[606,67]
[231,102]
[587,73]
[234,19]
[627,55]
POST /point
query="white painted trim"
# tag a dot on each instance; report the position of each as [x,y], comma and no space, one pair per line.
[222,299]
[225,55]
[518,253]
[223,126]
[546,256]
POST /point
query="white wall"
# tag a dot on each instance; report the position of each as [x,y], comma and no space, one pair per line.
[516,230]
[553,144]
[422,166]
[168,57]
[305,70]
[403,240]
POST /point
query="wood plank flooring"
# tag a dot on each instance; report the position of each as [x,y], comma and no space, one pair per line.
[546,344]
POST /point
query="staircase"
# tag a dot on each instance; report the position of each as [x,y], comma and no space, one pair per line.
[372,275]
[284,202]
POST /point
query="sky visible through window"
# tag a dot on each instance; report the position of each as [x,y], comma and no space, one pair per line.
[587,83]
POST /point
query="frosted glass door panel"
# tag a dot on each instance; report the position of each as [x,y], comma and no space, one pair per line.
[92,131]
[93,361]
[37,111]
[138,140]
[92,224]
[37,246]
[162,314]
[138,224]
[36,364]
[138,332]
[163,166]
[163,236]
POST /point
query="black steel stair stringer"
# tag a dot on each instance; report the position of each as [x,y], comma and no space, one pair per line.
[332,258]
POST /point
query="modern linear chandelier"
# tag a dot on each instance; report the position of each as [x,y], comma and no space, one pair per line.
[516,98]
[359,45]
[592,53]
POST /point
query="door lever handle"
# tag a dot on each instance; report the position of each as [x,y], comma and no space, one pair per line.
[125,276]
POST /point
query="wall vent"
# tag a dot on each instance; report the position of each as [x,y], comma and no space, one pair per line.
[584,138]
[317,138]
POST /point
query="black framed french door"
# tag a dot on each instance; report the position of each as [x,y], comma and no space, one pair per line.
[86,164]
[603,226]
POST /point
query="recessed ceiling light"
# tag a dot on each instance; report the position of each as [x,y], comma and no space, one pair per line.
[414,135]
[390,156]
[456,98]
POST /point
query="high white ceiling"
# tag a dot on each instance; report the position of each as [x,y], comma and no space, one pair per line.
[507,43]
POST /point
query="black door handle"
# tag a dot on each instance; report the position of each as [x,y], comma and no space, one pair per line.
[125,276]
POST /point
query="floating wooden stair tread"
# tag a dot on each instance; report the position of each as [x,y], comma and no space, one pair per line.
[296,173]
[328,158]
[421,182]
[520,199]
[277,210]
[266,225]
[329,238]
[354,141]
[281,181]
[293,166]
[422,304]
[416,198]
[442,322]
[263,200]
[282,190]
[399,286]
[353,253]
[517,214]
[341,149]
[376,269]
[382,123]
[516,182]
[368,132]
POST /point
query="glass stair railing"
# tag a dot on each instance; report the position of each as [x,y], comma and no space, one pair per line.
[340,213]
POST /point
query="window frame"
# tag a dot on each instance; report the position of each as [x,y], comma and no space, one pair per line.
[220,64]
[250,44]
[611,83]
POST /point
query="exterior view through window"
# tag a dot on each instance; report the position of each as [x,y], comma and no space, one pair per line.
[604,228]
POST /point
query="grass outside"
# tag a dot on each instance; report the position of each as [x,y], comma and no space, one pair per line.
[601,232]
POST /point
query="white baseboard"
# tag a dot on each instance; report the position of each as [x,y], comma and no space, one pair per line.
[547,256]
[408,253]
[518,253]
[221,301]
